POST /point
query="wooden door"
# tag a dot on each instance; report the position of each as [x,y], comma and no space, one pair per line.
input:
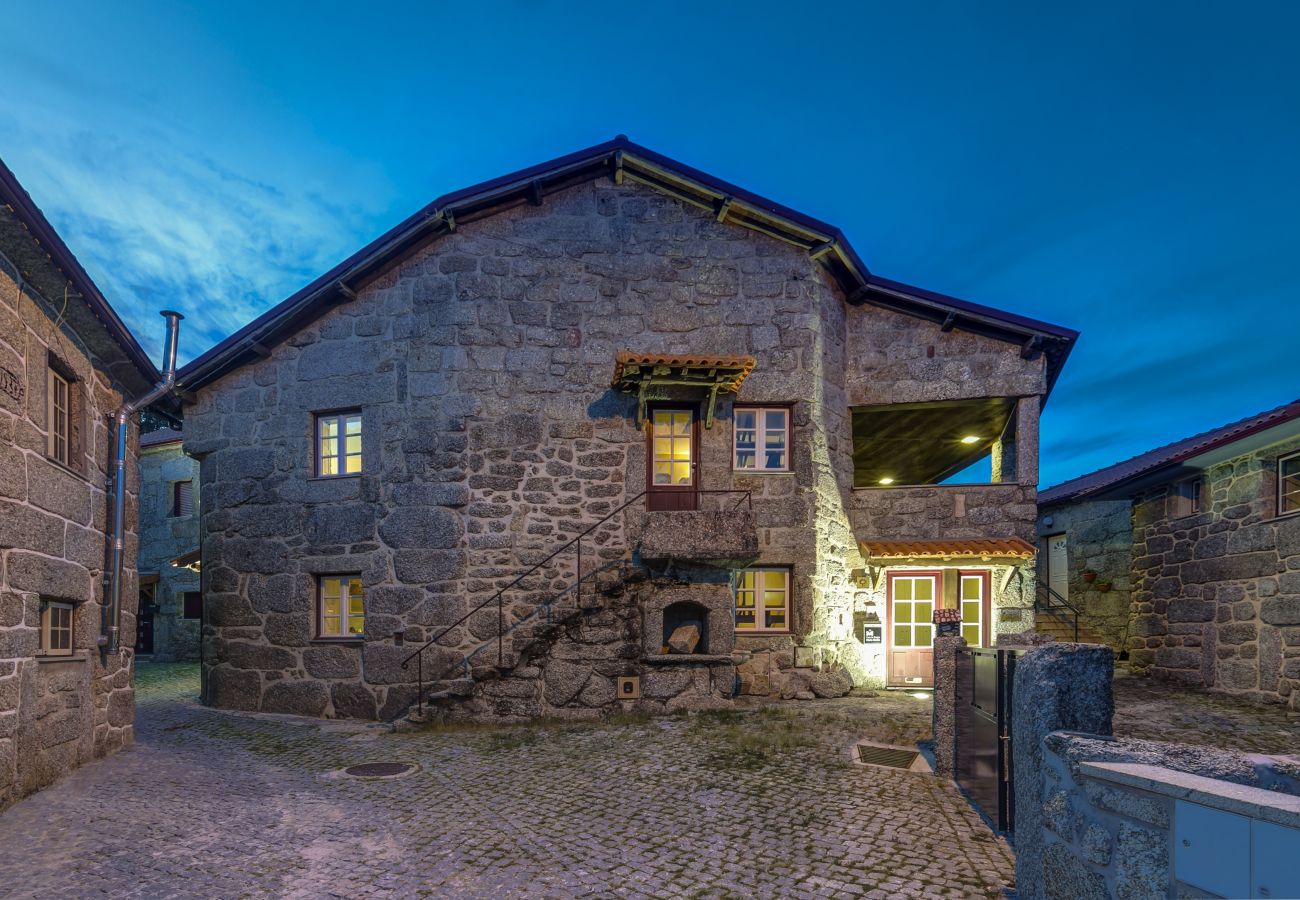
[144,621]
[1058,568]
[672,435]
[910,608]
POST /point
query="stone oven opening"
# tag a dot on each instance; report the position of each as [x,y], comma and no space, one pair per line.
[686,628]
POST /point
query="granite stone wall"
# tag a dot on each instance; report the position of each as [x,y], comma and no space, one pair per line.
[1216,595]
[56,712]
[482,366]
[164,537]
[1099,538]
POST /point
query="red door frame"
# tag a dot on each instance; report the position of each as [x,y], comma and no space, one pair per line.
[672,497]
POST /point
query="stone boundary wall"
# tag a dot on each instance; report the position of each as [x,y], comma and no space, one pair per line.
[1099,537]
[1105,836]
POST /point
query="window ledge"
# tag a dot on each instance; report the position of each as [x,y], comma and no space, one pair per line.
[767,632]
[75,656]
[735,471]
[67,468]
[1280,517]
[335,477]
[356,640]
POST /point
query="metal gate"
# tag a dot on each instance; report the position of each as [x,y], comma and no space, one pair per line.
[983,708]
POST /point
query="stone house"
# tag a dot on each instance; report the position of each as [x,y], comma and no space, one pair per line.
[1201,541]
[170,605]
[778,464]
[67,363]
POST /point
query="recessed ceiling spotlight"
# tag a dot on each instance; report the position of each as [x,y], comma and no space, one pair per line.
[969,439]
[921,696]
[886,480]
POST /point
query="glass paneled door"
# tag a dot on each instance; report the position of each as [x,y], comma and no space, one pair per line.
[912,598]
[672,470]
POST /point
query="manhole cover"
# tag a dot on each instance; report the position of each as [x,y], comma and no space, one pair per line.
[886,756]
[379,770]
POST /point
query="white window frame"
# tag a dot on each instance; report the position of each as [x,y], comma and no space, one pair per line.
[58,418]
[1281,485]
[760,439]
[760,611]
[47,628]
[345,598]
[340,419]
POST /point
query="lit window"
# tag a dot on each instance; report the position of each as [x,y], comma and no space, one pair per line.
[59,406]
[1288,484]
[972,609]
[1185,498]
[763,600]
[182,498]
[342,606]
[762,439]
[912,611]
[338,444]
[56,629]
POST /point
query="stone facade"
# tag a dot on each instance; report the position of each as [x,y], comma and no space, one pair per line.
[1099,539]
[481,365]
[56,712]
[1217,594]
[165,536]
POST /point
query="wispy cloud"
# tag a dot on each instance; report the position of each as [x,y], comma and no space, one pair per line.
[159,223]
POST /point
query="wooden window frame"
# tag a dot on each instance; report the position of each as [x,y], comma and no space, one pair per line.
[760,438]
[986,604]
[177,511]
[936,602]
[48,608]
[54,415]
[1281,485]
[788,571]
[344,579]
[661,496]
[339,417]
[1186,497]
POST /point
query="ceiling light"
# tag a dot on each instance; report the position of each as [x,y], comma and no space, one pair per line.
[969,439]
[886,480]
[920,696]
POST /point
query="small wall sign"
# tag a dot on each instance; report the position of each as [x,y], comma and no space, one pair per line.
[872,634]
[11,384]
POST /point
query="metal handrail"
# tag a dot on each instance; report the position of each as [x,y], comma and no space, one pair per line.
[498,597]
[1060,602]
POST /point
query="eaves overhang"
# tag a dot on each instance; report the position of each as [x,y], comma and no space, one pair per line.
[622,160]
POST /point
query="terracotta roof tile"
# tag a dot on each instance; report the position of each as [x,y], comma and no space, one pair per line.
[737,367]
[948,548]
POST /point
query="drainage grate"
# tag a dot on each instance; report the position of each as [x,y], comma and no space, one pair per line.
[379,770]
[886,756]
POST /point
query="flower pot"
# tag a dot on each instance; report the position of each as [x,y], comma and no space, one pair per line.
[1103,587]
[1090,577]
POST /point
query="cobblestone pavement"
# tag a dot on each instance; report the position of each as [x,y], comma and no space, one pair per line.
[1160,711]
[750,803]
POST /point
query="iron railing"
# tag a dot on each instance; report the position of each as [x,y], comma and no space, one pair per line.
[499,597]
[1054,604]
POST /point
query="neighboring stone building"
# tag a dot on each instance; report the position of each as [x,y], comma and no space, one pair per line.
[171,605]
[66,362]
[757,426]
[1202,538]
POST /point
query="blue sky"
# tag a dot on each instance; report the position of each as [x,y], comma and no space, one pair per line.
[1120,168]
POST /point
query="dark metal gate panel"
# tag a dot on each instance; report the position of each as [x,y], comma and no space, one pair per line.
[983,762]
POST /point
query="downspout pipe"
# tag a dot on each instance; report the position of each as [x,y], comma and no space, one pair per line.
[110,639]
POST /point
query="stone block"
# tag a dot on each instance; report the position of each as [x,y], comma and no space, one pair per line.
[353,701]
[424,566]
[1142,863]
[230,688]
[299,698]
[1280,610]
[332,662]
[1064,876]
[245,655]
[340,524]
[563,681]
[428,527]
[52,578]
[701,536]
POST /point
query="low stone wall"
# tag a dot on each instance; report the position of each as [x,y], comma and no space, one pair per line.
[1109,809]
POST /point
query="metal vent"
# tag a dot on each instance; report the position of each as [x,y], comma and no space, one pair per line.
[886,756]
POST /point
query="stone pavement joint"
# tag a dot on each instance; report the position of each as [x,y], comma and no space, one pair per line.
[219,804]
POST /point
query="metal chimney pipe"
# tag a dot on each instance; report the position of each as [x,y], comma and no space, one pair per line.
[110,638]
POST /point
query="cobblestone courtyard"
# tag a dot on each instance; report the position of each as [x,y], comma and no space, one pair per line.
[752,803]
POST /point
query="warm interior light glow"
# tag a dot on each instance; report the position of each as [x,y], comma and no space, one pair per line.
[886,480]
[921,696]
[969,439]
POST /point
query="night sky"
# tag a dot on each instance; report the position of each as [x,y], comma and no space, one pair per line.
[1129,171]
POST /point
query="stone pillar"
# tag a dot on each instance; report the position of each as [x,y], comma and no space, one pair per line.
[943,715]
[1026,438]
[1058,687]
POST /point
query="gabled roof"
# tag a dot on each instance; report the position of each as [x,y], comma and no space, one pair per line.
[621,159]
[1112,482]
[15,197]
[985,548]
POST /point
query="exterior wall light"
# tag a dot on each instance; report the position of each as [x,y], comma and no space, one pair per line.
[970,439]
[886,480]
